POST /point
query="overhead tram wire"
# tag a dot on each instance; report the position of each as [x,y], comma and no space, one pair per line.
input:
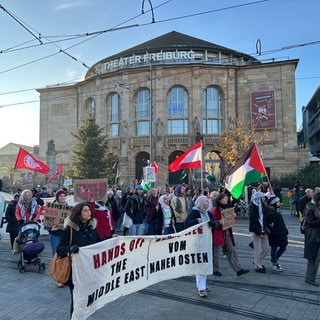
[117,27]
[97,33]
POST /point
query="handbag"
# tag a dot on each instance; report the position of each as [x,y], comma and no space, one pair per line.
[127,221]
[60,268]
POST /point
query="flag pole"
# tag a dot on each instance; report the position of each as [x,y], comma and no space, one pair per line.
[201,170]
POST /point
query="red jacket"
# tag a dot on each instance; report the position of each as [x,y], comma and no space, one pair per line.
[105,223]
[27,216]
[219,233]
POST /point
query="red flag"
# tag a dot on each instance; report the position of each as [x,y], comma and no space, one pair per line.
[192,158]
[26,160]
[155,166]
[57,173]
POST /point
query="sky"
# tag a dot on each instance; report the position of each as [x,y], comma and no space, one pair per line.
[54,42]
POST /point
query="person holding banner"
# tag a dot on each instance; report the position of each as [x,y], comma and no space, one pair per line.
[198,214]
[223,235]
[84,233]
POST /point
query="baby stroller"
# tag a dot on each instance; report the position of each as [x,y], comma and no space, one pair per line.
[30,246]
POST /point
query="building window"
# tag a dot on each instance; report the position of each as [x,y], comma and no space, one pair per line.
[177,108]
[212,111]
[114,114]
[142,112]
[91,105]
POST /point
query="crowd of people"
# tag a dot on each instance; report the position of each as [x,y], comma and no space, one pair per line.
[160,212]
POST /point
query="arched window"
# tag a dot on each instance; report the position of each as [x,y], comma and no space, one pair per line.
[91,105]
[114,114]
[212,111]
[177,111]
[142,112]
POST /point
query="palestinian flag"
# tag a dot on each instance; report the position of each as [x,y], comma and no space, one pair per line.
[248,169]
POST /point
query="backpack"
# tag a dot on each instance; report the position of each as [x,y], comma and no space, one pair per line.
[302,216]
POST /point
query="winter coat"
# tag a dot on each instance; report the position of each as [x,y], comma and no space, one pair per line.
[278,236]
[180,207]
[312,232]
[254,223]
[105,222]
[136,208]
[82,235]
[219,234]
[27,209]
[12,223]
[112,204]
[192,220]
[152,213]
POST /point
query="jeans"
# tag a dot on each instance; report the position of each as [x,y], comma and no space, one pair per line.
[276,253]
[54,242]
[166,230]
[136,229]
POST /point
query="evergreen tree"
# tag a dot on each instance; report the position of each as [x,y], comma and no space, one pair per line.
[90,158]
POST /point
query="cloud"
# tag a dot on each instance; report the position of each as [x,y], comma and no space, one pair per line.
[67,6]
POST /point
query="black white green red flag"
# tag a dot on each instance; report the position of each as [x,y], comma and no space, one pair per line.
[190,159]
[248,169]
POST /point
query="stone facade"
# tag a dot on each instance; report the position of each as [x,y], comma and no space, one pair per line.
[235,75]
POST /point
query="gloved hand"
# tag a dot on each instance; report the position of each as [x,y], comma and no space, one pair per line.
[74,248]
[21,222]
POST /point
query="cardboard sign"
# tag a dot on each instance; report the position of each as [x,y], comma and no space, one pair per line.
[228,218]
[54,214]
[86,190]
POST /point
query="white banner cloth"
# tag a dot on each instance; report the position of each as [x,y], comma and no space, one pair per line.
[107,270]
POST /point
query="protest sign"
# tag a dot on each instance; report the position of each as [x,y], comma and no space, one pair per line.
[107,270]
[228,218]
[55,213]
[86,190]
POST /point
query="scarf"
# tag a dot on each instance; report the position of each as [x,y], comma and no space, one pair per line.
[256,200]
[30,205]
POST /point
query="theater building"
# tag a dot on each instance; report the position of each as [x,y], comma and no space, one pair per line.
[158,98]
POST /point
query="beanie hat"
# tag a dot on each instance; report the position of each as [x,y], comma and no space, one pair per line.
[58,193]
[273,200]
[139,187]
[178,188]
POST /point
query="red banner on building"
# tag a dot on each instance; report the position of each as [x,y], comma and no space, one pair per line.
[263,110]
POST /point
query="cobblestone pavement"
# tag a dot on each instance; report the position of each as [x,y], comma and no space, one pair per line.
[274,295]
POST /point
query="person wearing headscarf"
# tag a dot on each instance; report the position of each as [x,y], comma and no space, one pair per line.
[224,238]
[27,209]
[259,229]
[278,236]
[167,214]
[198,214]
[180,206]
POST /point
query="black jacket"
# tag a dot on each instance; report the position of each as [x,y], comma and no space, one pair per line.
[312,232]
[278,236]
[12,226]
[82,235]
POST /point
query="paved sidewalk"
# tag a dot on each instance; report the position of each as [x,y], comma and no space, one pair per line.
[274,295]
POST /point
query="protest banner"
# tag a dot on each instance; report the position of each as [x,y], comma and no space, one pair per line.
[107,270]
[86,190]
[228,218]
[55,213]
